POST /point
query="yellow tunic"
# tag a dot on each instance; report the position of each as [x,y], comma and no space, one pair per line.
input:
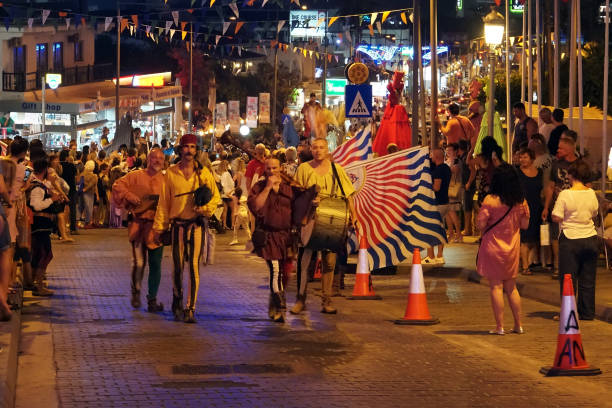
[307,177]
[171,207]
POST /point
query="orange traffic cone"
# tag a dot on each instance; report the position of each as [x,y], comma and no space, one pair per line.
[417,312]
[363,289]
[569,358]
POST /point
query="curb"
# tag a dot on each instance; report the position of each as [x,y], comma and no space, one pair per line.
[544,295]
[8,361]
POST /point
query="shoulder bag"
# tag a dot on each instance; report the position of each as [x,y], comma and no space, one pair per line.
[489,228]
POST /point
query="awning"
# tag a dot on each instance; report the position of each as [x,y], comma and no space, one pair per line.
[92,97]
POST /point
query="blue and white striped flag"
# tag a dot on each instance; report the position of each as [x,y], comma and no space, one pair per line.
[358,148]
[395,206]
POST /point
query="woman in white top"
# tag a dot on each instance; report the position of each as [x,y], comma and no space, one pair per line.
[227,187]
[578,244]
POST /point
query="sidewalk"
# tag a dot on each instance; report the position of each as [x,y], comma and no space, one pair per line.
[461,260]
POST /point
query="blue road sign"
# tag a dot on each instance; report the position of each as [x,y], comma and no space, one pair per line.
[358,101]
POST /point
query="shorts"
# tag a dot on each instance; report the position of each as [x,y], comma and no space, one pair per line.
[22,254]
[226,200]
[444,209]
[608,233]
[468,200]
[42,254]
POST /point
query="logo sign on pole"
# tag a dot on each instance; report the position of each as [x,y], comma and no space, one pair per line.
[53,80]
[251,114]
[264,108]
[516,6]
[234,116]
[220,117]
[358,101]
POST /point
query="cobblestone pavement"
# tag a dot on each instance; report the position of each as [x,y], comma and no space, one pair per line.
[108,354]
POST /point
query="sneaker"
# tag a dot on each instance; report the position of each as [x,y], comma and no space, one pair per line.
[189,316]
[136,300]
[234,242]
[42,291]
[439,261]
[427,261]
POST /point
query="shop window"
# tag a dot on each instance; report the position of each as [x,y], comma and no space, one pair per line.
[19,60]
[58,56]
[42,57]
[78,51]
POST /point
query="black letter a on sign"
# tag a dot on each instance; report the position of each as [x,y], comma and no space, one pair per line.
[572,322]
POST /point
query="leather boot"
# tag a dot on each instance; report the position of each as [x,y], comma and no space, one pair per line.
[153,306]
[283,301]
[136,300]
[189,316]
[279,315]
[177,308]
[299,306]
[326,306]
[271,307]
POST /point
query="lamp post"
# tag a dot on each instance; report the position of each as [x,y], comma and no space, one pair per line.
[494,33]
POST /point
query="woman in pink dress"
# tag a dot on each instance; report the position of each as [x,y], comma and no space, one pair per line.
[503,212]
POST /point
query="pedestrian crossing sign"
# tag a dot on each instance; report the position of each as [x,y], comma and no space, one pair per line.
[358,101]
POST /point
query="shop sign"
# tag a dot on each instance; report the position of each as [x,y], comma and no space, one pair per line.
[24,106]
[516,6]
[251,113]
[305,23]
[264,108]
[234,116]
[53,80]
[166,93]
[335,87]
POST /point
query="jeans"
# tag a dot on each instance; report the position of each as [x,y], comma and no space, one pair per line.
[328,264]
[578,257]
[140,253]
[87,207]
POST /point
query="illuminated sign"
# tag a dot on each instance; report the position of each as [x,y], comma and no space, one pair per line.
[145,81]
[516,6]
[382,53]
[335,87]
[459,5]
[305,23]
[53,80]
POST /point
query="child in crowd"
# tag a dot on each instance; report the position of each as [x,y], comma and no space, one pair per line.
[241,218]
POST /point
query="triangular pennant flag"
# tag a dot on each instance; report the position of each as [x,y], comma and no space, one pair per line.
[332,21]
[183,32]
[317,54]
[234,8]
[371,28]
[168,25]
[329,57]
[310,52]
[67,23]
[251,2]
[239,25]
[280,25]
[135,19]
[175,17]
[240,51]
[304,51]
[264,3]
[336,58]
[211,3]
[373,19]
[226,26]
[403,16]
[30,22]
[385,15]
[320,21]
[45,14]
[107,23]
[148,29]
[159,30]
[172,31]
[124,24]
[62,13]
[296,2]
[217,38]
[379,27]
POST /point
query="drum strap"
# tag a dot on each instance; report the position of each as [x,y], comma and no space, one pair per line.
[333,165]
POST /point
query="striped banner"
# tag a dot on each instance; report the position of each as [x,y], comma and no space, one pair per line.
[358,148]
[395,206]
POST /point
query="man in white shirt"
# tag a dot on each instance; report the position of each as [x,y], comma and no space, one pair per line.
[545,126]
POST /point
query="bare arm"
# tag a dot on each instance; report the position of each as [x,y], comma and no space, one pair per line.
[437,184]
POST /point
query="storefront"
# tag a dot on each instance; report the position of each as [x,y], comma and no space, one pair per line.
[80,112]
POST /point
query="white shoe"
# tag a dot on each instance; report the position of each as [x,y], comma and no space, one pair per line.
[234,242]
[427,261]
[439,261]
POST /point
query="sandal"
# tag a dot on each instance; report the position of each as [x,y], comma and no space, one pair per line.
[499,332]
[517,331]
[526,272]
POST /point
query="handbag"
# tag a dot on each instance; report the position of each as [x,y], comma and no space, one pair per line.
[545,234]
[489,229]
[259,238]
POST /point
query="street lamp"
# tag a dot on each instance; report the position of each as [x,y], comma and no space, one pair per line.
[494,34]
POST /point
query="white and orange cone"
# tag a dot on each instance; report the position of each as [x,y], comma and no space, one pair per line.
[417,312]
[363,289]
[569,357]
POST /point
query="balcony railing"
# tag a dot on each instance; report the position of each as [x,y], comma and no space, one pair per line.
[29,81]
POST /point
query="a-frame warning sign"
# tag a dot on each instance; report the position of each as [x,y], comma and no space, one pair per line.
[358,101]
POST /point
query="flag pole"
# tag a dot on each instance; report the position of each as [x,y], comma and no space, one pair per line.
[433,49]
[572,63]
[539,56]
[524,54]
[580,95]
[604,130]
[415,74]
[529,59]
[508,107]
[556,64]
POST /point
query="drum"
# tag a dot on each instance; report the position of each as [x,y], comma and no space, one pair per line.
[329,226]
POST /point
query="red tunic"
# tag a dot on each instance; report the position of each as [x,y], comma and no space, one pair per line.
[394,128]
[275,219]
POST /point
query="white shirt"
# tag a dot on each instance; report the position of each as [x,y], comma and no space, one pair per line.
[545,129]
[577,209]
[227,183]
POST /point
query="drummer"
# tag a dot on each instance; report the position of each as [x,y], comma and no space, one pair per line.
[319,172]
